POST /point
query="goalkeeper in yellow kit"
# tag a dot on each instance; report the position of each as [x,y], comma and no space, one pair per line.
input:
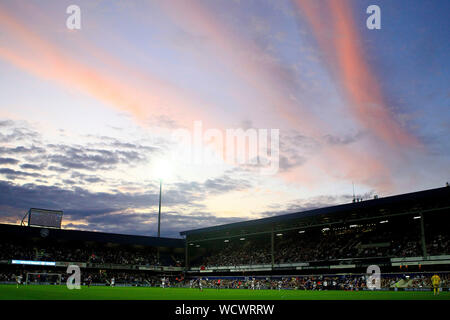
[435,281]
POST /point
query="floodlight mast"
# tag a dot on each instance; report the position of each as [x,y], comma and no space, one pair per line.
[159,211]
[159,217]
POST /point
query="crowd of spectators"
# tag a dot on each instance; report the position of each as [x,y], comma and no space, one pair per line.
[238,254]
[337,282]
[99,277]
[415,281]
[296,283]
[325,246]
[87,254]
[332,245]
[439,244]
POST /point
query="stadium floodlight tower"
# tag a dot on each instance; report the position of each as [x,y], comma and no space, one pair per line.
[163,172]
[159,209]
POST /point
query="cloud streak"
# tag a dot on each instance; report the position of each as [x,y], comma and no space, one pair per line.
[157,98]
[354,75]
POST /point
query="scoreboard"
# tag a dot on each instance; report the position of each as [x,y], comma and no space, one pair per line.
[45,218]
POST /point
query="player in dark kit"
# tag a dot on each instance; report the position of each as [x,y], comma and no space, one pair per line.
[89,281]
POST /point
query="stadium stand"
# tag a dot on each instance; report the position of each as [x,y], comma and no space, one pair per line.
[134,260]
[326,248]
[30,243]
[409,231]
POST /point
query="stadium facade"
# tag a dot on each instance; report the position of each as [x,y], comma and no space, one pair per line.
[41,251]
[405,234]
[415,220]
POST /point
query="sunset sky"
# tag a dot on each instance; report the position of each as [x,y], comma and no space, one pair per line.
[87,116]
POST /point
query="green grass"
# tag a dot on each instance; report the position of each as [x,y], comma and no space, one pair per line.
[42,292]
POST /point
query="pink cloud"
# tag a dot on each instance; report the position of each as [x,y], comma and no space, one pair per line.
[353,74]
[143,95]
[152,98]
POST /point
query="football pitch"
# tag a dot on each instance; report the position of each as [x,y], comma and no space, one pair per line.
[44,292]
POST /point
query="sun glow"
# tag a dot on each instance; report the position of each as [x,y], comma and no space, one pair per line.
[163,169]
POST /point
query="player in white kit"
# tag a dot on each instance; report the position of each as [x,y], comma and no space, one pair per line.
[18,280]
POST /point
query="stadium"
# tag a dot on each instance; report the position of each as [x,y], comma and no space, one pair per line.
[315,254]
